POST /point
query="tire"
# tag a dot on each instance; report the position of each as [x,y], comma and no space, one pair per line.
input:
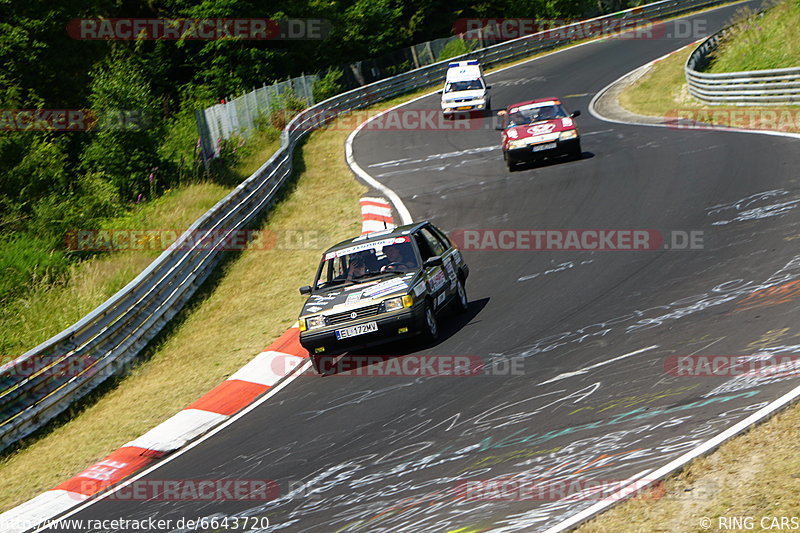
[322,364]
[511,164]
[576,153]
[460,302]
[430,323]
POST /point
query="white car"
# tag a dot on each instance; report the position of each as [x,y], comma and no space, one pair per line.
[465,89]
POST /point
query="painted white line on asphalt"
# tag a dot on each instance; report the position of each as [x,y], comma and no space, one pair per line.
[596,114]
[597,365]
[300,370]
[402,210]
[436,157]
[652,476]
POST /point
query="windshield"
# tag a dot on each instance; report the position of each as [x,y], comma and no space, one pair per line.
[469,85]
[538,113]
[364,261]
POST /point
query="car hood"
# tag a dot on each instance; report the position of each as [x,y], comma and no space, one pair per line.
[475,93]
[540,128]
[346,297]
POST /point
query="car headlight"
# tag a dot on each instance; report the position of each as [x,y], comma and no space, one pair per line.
[566,135]
[519,143]
[315,321]
[398,302]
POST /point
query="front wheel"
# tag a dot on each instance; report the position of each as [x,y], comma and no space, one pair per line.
[461,303]
[431,324]
[576,153]
[510,163]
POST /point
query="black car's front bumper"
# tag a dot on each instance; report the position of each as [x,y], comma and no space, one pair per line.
[388,330]
[527,153]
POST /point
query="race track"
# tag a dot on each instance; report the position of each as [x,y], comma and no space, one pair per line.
[586,333]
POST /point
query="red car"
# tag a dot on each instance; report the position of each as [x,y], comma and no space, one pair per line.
[538,129]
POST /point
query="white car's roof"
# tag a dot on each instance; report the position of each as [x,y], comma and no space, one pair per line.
[463,71]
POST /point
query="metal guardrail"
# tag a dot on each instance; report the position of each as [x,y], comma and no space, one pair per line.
[746,88]
[45,381]
[239,115]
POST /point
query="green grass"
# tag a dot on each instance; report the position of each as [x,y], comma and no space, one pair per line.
[249,301]
[61,298]
[758,43]
[662,92]
[246,305]
[756,474]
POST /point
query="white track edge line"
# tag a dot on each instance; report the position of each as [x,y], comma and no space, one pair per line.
[402,210]
[299,370]
[406,218]
[679,462]
[711,127]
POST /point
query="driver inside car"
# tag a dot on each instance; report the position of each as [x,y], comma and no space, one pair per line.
[396,258]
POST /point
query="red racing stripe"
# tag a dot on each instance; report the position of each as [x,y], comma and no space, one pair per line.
[379,218]
[114,468]
[289,343]
[376,204]
[229,397]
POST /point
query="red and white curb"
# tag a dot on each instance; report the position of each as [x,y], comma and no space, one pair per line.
[251,381]
[376,215]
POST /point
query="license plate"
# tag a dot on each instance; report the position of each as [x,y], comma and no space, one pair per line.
[354,331]
[464,107]
[547,146]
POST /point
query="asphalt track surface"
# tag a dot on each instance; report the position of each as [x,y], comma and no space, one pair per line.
[377,453]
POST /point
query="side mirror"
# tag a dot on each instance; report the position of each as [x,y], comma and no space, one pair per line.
[305,289]
[575,114]
[436,260]
[488,87]
[439,92]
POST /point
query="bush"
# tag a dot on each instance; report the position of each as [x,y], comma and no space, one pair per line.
[455,48]
[26,260]
[328,85]
[124,156]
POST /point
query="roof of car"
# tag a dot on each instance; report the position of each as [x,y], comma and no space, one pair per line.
[537,101]
[399,231]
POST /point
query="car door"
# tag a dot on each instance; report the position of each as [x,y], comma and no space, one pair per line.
[440,284]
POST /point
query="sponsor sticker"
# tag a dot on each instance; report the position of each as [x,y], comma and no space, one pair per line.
[448,266]
[353,298]
[440,299]
[540,129]
[437,281]
[365,246]
[385,287]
